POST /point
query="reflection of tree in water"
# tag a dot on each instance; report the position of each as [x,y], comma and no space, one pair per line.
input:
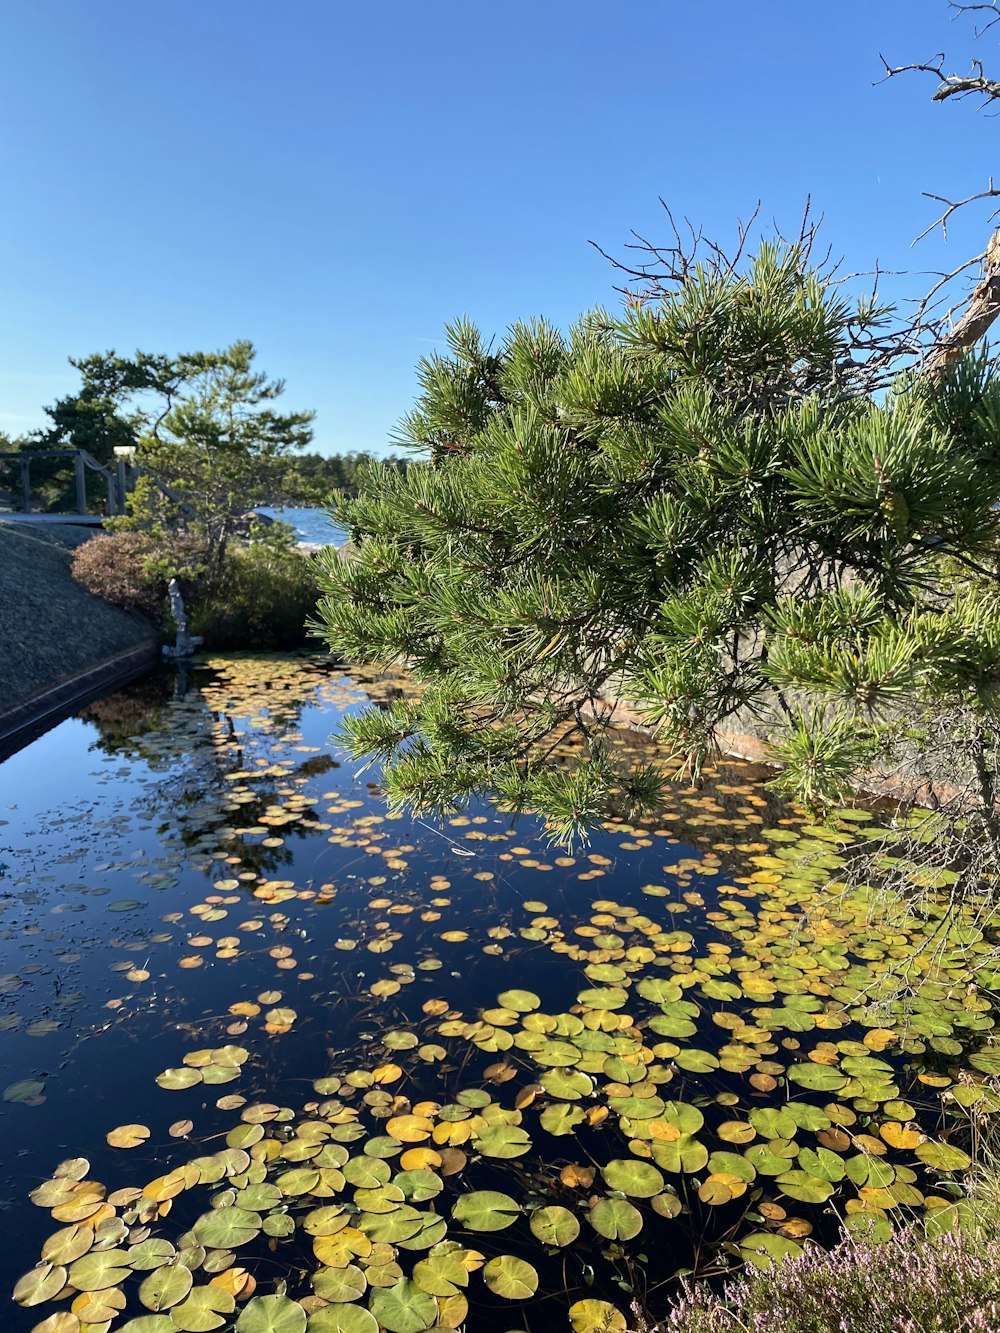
[234,716]
[132,711]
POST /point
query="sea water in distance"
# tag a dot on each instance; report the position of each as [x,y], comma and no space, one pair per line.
[313,527]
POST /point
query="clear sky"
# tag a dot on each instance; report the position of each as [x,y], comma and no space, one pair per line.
[336,180]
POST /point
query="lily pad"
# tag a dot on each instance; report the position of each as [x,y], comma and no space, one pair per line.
[641,1180]
[403,1308]
[511,1278]
[592,1316]
[554,1225]
[165,1287]
[272,1314]
[615,1219]
[485,1210]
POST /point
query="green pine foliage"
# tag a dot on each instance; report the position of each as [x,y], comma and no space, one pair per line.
[693,506]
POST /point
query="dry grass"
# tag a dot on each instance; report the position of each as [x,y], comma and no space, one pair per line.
[50,626]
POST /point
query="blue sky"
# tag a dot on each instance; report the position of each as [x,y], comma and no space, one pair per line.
[335,181]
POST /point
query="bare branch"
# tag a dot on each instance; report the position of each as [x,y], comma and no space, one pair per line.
[976,82]
[991,192]
[991,7]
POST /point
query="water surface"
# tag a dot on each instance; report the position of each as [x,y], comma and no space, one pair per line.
[678,1037]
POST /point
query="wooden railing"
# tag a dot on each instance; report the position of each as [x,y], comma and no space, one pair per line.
[117,482]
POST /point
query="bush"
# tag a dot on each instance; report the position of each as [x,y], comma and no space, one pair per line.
[905,1285]
[261,597]
[132,570]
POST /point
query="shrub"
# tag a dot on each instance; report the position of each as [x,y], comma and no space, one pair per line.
[907,1284]
[260,597]
[132,570]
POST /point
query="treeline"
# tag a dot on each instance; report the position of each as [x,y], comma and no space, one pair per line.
[186,418]
[311,479]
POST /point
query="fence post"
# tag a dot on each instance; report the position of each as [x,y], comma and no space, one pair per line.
[81,484]
[26,485]
[122,484]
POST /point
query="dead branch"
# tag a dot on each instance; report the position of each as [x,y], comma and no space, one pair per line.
[980,313]
[950,85]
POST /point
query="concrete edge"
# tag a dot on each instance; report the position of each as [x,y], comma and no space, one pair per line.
[36,713]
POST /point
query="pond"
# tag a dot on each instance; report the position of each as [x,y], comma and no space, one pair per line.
[274,1057]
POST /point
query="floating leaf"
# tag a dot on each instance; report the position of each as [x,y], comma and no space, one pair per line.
[943,1156]
[227,1228]
[521,1001]
[485,1210]
[165,1287]
[403,1308]
[502,1141]
[28,1091]
[128,1136]
[615,1219]
[203,1310]
[340,1284]
[40,1284]
[272,1314]
[641,1180]
[554,1225]
[99,1269]
[342,1319]
[592,1316]
[817,1078]
[511,1278]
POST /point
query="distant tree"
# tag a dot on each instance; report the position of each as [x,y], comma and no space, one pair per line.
[311,479]
[220,446]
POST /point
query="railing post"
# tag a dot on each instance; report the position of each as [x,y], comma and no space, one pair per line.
[26,485]
[122,485]
[81,484]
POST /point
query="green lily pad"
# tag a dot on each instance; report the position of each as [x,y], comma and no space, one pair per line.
[227,1228]
[485,1210]
[165,1287]
[502,1141]
[27,1091]
[521,1001]
[272,1314]
[763,1248]
[568,1084]
[554,1225]
[804,1187]
[203,1310]
[615,1219]
[99,1270]
[943,1156]
[340,1284]
[342,1319]
[150,1254]
[176,1079]
[683,1155]
[817,1078]
[403,1308]
[641,1180]
[511,1278]
[561,1119]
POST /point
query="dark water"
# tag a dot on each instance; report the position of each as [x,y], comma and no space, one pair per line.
[167,857]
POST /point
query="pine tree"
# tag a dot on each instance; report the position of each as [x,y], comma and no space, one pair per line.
[697,506]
